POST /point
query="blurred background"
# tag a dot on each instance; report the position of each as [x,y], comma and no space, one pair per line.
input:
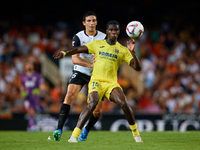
[169,50]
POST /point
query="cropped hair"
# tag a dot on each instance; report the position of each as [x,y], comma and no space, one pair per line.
[112,22]
[89,13]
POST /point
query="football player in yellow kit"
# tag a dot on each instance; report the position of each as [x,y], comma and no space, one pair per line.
[109,56]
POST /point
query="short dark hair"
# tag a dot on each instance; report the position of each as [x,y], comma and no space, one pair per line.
[89,13]
[112,22]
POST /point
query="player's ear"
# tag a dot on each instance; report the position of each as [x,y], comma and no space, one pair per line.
[107,31]
[83,23]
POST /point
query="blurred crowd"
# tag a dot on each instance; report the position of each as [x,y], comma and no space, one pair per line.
[168,83]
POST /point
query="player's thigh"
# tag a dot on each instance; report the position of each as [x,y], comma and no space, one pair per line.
[30,107]
[117,96]
[72,92]
[95,87]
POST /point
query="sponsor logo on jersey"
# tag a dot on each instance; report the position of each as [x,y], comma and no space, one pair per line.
[102,46]
[108,54]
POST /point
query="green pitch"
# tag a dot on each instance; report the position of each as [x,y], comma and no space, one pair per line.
[100,140]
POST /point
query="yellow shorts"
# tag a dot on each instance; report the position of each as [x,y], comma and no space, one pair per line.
[103,88]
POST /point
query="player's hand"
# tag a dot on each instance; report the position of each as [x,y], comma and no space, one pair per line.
[131,45]
[24,94]
[59,55]
[36,91]
[94,58]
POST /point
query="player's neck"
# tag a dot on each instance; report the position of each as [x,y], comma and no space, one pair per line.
[91,33]
[29,73]
[111,42]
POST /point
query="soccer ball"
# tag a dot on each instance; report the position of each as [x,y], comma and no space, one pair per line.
[134,29]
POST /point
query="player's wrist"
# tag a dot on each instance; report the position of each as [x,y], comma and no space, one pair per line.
[64,53]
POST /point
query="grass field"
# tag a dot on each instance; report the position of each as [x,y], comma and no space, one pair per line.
[101,140]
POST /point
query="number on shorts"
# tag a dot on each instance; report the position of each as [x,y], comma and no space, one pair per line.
[95,84]
[74,75]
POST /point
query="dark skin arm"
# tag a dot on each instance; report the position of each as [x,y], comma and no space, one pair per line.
[70,51]
[135,62]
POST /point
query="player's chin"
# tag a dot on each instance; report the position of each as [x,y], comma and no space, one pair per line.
[114,37]
[92,29]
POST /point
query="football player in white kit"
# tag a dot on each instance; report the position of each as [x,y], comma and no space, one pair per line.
[81,75]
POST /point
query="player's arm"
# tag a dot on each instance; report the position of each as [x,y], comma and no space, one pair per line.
[135,62]
[23,93]
[79,61]
[76,59]
[70,51]
[40,80]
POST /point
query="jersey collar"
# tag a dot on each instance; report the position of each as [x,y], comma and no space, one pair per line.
[109,43]
[88,35]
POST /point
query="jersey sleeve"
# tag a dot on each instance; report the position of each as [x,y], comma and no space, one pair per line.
[22,80]
[127,56]
[91,47]
[76,41]
[40,79]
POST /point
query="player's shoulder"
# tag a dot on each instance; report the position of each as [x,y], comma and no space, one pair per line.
[98,41]
[37,74]
[23,75]
[80,33]
[122,47]
[100,33]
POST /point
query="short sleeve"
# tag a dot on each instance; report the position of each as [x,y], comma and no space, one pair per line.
[127,56]
[76,41]
[41,80]
[91,47]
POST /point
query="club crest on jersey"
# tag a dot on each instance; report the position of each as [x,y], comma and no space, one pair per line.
[116,51]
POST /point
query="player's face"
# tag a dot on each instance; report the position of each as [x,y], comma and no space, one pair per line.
[113,31]
[90,23]
[29,67]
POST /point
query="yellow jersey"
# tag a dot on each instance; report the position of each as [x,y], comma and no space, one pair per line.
[109,59]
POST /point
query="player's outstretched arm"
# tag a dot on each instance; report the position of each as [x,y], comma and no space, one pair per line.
[135,62]
[74,50]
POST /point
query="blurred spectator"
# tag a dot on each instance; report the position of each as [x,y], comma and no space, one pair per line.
[31,83]
[168,83]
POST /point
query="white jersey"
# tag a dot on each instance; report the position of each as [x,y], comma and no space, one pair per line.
[80,39]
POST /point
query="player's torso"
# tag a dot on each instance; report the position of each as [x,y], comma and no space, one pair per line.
[84,39]
[109,59]
[30,82]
